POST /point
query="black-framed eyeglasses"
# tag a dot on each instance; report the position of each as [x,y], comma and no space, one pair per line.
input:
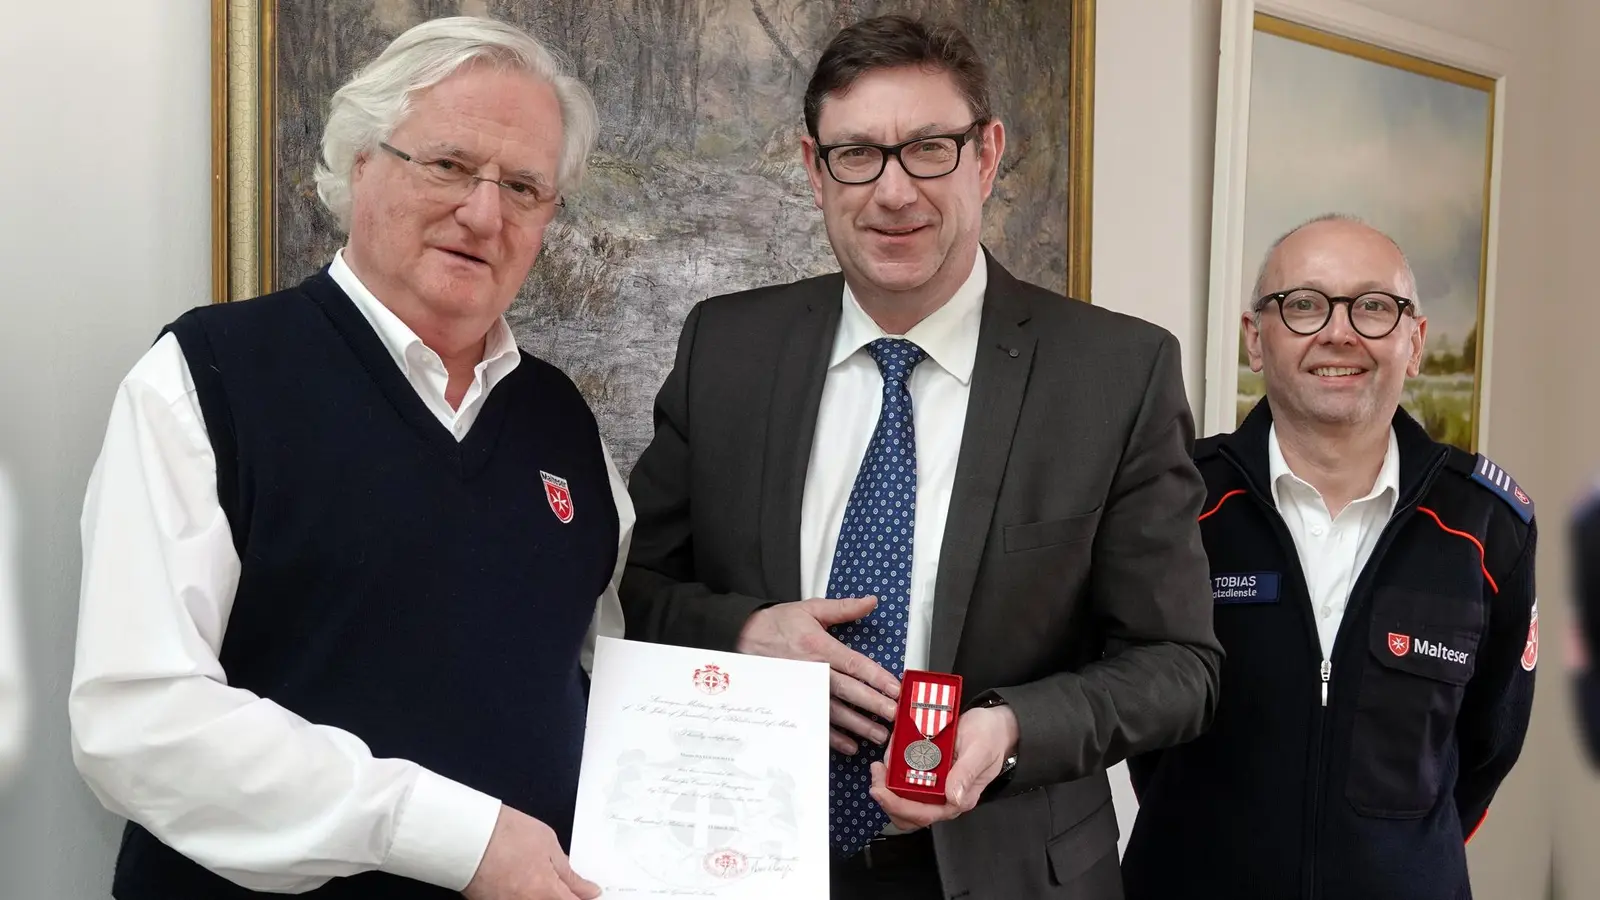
[930,156]
[454,180]
[1306,311]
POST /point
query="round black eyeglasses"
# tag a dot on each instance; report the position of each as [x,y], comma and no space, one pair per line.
[1306,311]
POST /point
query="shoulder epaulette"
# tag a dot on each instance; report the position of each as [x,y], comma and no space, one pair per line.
[1499,482]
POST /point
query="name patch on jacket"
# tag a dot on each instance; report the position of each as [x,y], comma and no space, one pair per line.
[1245,587]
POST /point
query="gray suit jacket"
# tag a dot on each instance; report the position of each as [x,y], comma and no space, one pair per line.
[1072,582]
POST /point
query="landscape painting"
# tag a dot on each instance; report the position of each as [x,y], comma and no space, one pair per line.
[696,188]
[1403,143]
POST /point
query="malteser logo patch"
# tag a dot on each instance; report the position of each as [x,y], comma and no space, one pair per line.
[1399,644]
[1530,650]
[1428,648]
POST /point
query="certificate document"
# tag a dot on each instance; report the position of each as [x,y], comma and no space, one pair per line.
[705,774]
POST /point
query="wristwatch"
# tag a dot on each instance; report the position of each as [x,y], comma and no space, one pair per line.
[1010,761]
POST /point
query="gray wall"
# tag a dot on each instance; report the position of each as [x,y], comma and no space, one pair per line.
[104,171]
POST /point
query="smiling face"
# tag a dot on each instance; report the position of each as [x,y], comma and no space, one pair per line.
[901,239]
[1335,377]
[444,259]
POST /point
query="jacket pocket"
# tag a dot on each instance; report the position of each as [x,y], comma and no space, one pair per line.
[1072,852]
[1034,535]
[1424,649]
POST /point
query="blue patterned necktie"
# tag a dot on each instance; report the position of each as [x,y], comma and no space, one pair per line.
[873,558]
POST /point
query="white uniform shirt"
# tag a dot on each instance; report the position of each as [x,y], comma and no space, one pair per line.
[852,397]
[1332,550]
[233,781]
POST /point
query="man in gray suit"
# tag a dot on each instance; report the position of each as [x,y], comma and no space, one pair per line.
[965,473]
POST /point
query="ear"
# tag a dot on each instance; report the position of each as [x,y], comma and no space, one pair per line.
[994,147]
[1419,340]
[813,164]
[1251,334]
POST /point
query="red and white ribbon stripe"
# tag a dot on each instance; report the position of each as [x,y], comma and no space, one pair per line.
[931,721]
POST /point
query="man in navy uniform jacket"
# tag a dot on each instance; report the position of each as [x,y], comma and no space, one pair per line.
[1374,592]
[345,544]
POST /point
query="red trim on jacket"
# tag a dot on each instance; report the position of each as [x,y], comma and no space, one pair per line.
[1207,514]
[1482,561]
[1481,820]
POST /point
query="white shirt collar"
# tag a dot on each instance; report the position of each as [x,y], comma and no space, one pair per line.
[397,337]
[1278,470]
[949,335]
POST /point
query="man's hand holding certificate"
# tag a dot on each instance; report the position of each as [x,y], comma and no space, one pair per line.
[704,774]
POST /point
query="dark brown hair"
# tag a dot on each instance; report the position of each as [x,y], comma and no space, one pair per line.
[890,42]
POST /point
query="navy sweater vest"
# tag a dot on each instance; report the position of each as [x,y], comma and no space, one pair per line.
[421,593]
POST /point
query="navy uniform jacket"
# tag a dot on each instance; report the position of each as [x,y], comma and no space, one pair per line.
[1586,594]
[1371,789]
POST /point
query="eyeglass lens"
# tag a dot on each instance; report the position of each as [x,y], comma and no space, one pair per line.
[857,163]
[1307,311]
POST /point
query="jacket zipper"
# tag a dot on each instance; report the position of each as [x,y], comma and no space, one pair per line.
[1325,670]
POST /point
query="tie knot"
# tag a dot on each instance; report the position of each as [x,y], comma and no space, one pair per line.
[896,358]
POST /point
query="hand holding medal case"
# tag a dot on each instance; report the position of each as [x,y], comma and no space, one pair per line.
[922,745]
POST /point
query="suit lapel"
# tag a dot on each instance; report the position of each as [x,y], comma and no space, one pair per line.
[999,381]
[801,368]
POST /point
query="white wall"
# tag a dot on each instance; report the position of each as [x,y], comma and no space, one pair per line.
[104,173]
[1155,115]
[1575,226]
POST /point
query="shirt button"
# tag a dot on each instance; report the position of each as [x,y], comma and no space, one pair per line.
[1317,530]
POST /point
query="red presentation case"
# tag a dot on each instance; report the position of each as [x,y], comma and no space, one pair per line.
[929,700]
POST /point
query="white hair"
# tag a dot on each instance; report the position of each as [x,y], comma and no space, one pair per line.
[369,107]
[1408,287]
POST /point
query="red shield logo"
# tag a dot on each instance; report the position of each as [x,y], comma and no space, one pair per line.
[555,491]
[1399,644]
[1520,495]
[711,680]
[1530,650]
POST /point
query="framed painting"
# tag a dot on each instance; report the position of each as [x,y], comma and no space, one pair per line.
[1327,107]
[696,187]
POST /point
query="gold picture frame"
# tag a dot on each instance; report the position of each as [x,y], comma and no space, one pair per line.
[243,48]
[1080,181]
[242,158]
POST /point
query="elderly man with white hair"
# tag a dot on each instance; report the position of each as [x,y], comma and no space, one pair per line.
[346,548]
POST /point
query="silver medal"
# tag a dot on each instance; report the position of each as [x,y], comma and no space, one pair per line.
[923,756]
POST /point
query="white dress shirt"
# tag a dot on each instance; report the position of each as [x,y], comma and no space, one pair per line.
[1333,549]
[852,397]
[235,782]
